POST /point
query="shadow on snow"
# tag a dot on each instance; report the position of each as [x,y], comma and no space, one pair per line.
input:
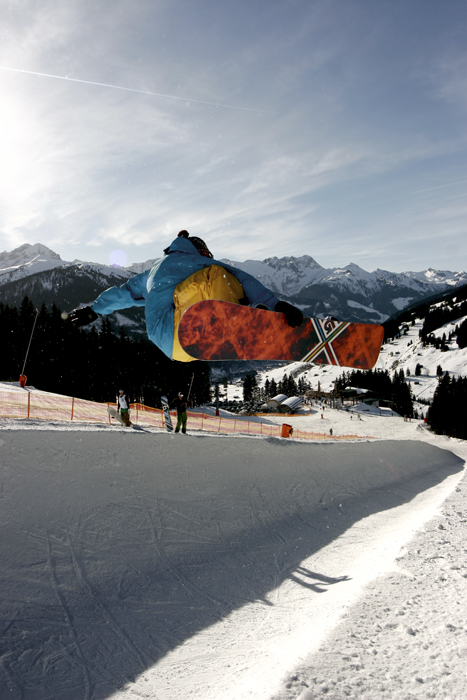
[118,547]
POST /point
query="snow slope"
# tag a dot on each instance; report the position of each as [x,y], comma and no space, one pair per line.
[403,353]
[138,564]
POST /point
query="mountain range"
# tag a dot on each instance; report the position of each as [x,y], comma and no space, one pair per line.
[349,293]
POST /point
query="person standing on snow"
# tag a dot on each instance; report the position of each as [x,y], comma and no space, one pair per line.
[123,407]
[182,416]
[186,274]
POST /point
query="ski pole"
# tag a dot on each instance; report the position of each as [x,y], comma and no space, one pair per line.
[30,338]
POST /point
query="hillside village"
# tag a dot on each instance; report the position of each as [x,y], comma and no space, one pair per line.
[405,352]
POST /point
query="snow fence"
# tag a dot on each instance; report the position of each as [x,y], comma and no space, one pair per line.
[53,407]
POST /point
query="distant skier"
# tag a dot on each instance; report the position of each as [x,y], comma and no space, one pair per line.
[186,274]
[181,405]
[123,407]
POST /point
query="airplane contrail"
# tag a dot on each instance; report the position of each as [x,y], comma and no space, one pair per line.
[143,92]
[438,187]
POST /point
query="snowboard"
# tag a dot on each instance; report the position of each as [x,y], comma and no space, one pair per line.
[220,330]
[167,416]
[112,412]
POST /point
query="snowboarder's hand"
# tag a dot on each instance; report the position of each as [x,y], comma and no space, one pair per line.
[81,317]
[293,315]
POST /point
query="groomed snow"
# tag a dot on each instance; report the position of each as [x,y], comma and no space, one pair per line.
[138,564]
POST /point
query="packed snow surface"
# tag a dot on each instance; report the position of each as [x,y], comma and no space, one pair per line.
[139,564]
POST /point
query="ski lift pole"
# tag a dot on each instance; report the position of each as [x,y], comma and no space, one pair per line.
[191,384]
[22,379]
[217,398]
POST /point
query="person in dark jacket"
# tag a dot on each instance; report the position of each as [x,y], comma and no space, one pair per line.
[181,405]
[186,274]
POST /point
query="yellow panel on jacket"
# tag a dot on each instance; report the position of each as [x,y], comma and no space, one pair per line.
[210,283]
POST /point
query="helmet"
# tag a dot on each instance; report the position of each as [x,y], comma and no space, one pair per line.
[180,394]
[201,246]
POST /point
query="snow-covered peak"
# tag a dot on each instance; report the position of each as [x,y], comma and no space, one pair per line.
[136,268]
[355,269]
[35,258]
[286,275]
[289,276]
[27,260]
[370,296]
[305,261]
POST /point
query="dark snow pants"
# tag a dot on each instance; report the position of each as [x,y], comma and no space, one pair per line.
[181,421]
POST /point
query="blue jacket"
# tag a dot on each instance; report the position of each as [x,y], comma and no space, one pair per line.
[154,289]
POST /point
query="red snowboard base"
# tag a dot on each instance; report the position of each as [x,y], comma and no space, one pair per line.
[220,330]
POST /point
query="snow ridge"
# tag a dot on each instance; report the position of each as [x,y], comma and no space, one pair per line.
[27,260]
[348,292]
[287,276]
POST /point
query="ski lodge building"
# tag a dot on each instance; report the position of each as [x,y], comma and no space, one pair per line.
[283,404]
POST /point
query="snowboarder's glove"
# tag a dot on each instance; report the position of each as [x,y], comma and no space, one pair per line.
[81,317]
[293,315]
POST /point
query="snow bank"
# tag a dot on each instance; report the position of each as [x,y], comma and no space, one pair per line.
[405,637]
[119,548]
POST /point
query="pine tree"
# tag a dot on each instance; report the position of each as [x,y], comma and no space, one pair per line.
[447,414]
[402,395]
[92,365]
[247,388]
[462,335]
[290,386]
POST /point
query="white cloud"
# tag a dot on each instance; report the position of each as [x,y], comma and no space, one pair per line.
[326,169]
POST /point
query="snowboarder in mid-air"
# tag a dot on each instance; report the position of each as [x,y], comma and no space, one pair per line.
[186,274]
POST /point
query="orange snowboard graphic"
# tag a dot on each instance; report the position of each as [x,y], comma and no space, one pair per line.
[219,330]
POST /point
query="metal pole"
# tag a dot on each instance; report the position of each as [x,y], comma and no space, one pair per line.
[191,384]
[30,338]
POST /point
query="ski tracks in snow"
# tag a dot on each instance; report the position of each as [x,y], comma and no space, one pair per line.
[135,567]
[68,615]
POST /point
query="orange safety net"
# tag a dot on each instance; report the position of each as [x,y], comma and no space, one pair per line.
[27,404]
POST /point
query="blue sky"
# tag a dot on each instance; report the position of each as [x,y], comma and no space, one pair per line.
[334,128]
